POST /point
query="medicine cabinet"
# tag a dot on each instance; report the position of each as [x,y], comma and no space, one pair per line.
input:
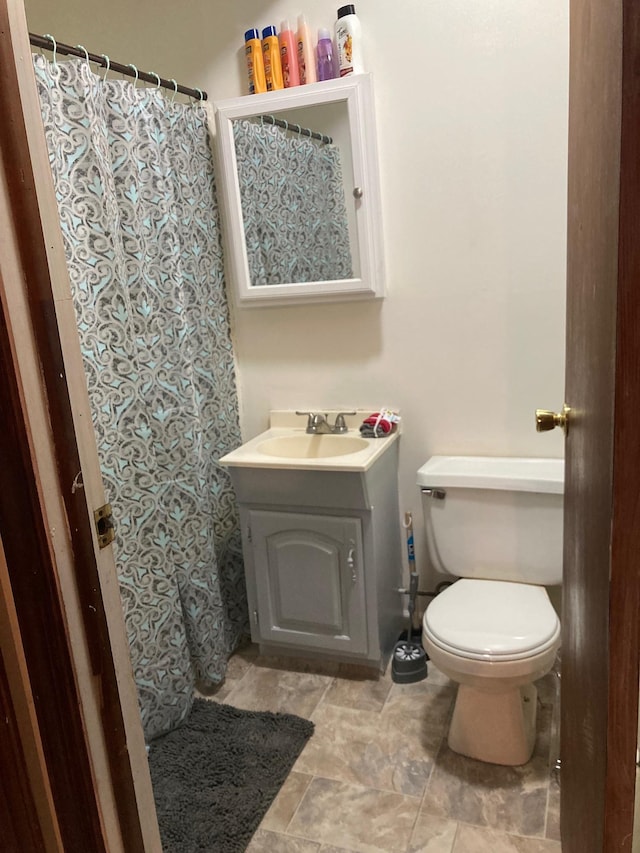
[302,214]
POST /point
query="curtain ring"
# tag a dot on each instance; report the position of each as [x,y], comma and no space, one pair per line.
[55,47]
[131,65]
[86,52]
[175,89]
[296,128]
[108,66]
[286,124]
[201,98]
[157,76]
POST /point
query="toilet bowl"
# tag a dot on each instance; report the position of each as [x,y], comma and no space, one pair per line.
[496,523]
[494,638]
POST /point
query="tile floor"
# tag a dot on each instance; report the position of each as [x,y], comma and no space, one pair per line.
[377,775]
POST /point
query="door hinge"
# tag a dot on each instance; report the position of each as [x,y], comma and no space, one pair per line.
[249,537]
[104,525]
[256,618]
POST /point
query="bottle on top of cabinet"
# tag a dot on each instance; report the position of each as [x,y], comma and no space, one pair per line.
[349,41]
[288,56]
[324,50]
[271,57]
[306,53]
[255,65]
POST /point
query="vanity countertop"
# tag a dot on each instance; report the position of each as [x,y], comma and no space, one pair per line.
[285,446]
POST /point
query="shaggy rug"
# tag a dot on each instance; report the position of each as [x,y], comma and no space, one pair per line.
[216,775]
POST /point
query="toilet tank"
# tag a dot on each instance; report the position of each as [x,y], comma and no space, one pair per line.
[495,518]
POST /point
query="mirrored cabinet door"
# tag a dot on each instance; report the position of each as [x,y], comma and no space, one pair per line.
[301,196]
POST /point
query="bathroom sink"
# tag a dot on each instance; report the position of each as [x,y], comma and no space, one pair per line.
[312,446]
[287,446]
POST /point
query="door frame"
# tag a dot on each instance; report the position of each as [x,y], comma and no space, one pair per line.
[601,596]
[69,618]
[51,418]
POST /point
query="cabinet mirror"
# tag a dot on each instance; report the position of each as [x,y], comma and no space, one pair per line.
[300,191]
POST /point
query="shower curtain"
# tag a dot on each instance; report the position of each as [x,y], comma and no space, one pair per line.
[135,188]
[293,206]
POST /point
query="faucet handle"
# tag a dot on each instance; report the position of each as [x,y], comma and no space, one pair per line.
[310,417]
[314,422]
[340,424]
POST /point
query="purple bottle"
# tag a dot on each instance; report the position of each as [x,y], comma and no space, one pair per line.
[324,52]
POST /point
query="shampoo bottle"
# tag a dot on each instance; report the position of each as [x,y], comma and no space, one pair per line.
[288,56]
[255,65]
[306,53]
[349,41]
[271,57]
[324,50]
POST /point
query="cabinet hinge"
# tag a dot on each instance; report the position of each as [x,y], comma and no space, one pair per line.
[104,525]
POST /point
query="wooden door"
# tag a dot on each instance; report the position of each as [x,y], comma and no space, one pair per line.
[602,500]
[64,589]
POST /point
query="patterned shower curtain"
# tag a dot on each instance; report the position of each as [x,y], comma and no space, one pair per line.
[135,187]
[293,206]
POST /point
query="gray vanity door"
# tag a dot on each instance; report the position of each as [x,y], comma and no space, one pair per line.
[309,580]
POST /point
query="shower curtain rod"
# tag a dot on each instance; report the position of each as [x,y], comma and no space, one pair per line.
[295,128]
[49,43]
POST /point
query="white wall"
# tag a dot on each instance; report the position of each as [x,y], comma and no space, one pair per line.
[472,121]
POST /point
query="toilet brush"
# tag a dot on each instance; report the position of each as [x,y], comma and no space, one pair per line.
[409,658]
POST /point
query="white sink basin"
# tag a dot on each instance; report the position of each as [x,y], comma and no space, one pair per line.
[292,448]
[312,446]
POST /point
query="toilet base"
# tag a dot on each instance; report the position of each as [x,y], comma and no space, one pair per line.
[499,728]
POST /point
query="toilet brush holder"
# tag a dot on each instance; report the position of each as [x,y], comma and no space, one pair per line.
[409,663]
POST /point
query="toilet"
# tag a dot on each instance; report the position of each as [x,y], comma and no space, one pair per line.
[496,524]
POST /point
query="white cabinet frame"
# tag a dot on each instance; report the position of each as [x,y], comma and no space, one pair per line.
[357,92]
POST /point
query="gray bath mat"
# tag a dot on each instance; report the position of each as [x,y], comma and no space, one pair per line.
[215,777]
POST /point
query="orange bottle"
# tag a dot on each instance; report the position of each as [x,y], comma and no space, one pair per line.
[255,66]
[271,58]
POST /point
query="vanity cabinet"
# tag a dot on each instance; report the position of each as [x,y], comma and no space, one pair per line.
[323,559]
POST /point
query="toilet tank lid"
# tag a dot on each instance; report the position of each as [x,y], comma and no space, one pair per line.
[508,473]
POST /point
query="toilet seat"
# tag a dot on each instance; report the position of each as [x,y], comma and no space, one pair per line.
[492,620]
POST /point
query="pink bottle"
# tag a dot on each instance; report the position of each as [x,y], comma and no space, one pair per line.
[288,55]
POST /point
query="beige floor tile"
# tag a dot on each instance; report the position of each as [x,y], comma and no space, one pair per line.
[544,719]
[355,818]
[547,687]
[473,839]
[553,810]
[435,676]
[241,660]
[430,705]
[286,663]
[285,804]
[264,689]
[239,664]
[364,694]
[432,835]
[511,799]
[274,842]
[372,749]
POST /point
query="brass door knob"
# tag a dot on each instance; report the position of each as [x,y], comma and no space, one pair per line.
[546,420]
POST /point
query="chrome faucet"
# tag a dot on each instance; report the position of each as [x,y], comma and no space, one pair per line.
[317,424]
